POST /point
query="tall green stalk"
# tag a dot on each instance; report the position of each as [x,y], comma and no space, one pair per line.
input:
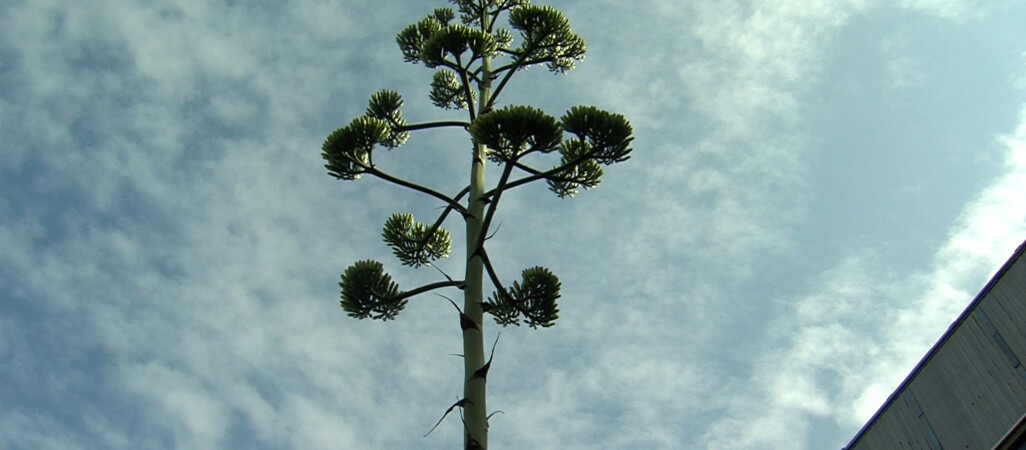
[474,387]
[462,54]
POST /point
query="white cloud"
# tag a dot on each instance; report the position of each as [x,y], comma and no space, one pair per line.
[847,345]
[197,418]
[35,431]
[809,352]
[951,9]
[188,231]
[992,226]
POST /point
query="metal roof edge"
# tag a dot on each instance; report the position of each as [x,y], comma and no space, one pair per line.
[947,333]
[1014,436]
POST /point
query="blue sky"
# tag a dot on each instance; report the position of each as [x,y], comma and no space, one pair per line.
[817,189]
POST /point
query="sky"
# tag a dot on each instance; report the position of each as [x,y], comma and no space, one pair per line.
[817,189]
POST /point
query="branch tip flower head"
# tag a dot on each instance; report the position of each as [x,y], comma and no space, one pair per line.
[533,298]
[516,130]
[369,292]
[413,243]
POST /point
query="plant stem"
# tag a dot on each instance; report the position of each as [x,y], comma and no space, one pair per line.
[473,338]
[475,409]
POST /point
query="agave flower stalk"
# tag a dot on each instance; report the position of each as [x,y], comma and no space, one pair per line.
[467,77]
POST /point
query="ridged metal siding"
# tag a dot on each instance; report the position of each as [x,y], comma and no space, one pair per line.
[970,389]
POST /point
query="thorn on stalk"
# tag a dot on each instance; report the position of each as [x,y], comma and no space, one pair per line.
[447,277]
[472,444]
[482,373]
[459,403]
[466,323]
[497,227]
[489,417]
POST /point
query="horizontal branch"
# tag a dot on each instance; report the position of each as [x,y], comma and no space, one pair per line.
[550,177]
[430,287]
[440,124]
[541,175]
[411,185]
[535,175]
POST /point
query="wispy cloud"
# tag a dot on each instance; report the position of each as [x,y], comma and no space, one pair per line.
[845,347]
[171,245]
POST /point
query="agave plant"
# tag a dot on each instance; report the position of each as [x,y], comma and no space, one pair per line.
[474,61]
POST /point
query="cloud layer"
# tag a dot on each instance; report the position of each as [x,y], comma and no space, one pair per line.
[171,244]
